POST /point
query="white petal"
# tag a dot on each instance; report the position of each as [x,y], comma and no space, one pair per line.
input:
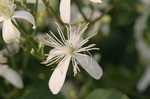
[9,32]
[96,1]
[53,53]
[12,76]
[58,76]
[90,65]
[40,3]
[1,18]
[24,15]
[144,81]
[65,10]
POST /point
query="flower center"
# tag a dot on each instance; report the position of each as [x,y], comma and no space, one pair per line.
[70,50]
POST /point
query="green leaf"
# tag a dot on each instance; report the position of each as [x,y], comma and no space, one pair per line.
[106,94]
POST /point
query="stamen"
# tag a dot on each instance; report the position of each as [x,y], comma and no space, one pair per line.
[56,39]
[83,30]
[84,42]
[54,61]
[87,48]
[60,33]
[75,67]
[52,44]
[87,39]
[68,32]
[53,41]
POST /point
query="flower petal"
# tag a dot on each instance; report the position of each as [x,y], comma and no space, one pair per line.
[58,77]
[96,1]
[9,32]
[24,15]
[65,10]
[40,3]
[89,65]
[52,54]
[144,81]
[12,76]
[1,19]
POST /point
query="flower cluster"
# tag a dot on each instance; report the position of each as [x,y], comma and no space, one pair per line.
[66,50]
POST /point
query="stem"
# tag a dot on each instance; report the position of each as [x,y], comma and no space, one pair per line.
[99,18]
[13,64]
[25,60]
[105,12]
[50,9]
[80,10]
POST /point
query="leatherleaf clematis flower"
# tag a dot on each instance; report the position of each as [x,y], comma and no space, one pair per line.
[9,32]
[68,50]
[65,9]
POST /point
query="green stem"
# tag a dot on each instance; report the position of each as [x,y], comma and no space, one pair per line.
[80,10]
[99,18]
[50,9]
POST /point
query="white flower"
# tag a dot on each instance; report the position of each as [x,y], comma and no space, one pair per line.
[9,74]
[65,9]
[70,49]
[9,32]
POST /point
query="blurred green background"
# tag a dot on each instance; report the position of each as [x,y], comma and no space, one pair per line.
[118,55]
